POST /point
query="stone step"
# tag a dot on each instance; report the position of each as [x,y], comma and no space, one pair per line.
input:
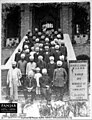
[21,96]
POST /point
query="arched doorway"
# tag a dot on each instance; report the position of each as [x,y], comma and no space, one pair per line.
[85,57]
[46,13]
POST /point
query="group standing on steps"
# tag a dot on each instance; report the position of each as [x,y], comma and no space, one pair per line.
[41,67]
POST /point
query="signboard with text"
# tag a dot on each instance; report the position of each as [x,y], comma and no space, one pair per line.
[78,80]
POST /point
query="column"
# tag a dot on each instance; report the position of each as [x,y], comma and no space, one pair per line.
[26,19]
[61,18]
[65,19]
[70,23]
[22,21]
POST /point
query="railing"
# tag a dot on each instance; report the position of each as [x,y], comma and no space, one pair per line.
[67,41]
[8,64]
[70,50]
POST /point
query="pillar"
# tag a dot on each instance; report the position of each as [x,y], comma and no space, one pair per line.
[61,19]
[26,19]
[65,19]
[70,23]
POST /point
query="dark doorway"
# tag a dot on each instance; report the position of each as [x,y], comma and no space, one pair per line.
[13,22]
[46,14]
[80,20]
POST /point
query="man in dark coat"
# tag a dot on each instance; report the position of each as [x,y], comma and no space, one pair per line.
[63,49]
[36,54]
[22,66]
[59,80]
[51,67]
[46,54]
[27,54]
[64,63]
[57,53]
[52,49]
[60,32]
[17,55]
[26,42]
[45,85]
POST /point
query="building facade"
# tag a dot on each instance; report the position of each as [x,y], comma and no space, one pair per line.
[72,18]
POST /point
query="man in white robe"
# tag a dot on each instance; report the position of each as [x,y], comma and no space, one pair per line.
[13,80]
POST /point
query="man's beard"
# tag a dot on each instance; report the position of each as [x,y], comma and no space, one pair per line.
[13,67]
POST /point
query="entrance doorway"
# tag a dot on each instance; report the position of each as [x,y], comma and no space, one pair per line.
[46,15]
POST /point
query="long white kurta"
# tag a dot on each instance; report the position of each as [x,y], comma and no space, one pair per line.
[13,77]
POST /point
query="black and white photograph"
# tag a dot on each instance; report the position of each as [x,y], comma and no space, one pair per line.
[45,59]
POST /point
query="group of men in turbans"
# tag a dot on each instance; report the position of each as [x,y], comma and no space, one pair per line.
[41,65]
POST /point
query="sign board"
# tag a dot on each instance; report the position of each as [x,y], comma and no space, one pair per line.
[78,80]
[47,25]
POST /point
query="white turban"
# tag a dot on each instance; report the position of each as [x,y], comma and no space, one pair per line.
[58,36]
[53,43]
[31,57]
[51,58]
[37,48]
[27,50]
[56,46]
[44,71]
[22,55]
[61,57]
[14,63]
[37,40]
[40,57]
[59,63]
[30,73]
[46,39]
[37,69]
[46,46]
[26,46]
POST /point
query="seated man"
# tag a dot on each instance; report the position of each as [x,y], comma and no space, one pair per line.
[45,85]
[30,88]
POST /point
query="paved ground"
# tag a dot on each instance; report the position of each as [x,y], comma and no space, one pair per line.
[57,108]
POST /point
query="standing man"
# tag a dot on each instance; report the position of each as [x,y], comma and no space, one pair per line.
[17,55]
[13,77]
[59,80]
[31,65]
[45,85]
[22,66]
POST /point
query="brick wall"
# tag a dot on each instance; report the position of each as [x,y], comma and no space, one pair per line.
[82,49]
[4,77]
[66,20]
[5,53]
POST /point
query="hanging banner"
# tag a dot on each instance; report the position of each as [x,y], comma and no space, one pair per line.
[78,80]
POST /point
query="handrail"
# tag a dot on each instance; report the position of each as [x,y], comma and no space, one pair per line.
[70,50]
[8,64]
